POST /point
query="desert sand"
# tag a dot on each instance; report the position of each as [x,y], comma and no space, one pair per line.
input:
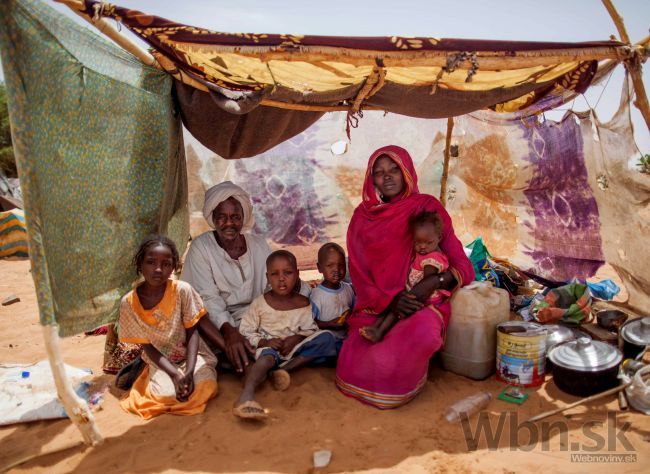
[310,416]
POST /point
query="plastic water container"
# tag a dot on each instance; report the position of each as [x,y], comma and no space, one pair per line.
[468,406]
[470,345]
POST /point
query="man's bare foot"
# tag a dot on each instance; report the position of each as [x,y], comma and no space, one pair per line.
[280,379]
[371,333]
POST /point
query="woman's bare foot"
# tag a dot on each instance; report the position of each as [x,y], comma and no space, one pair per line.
[280,379]
[371,333]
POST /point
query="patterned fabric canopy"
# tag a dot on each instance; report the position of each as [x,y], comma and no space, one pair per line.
[245,75]
[100,155]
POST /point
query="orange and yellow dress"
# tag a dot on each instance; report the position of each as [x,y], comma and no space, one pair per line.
[164,327]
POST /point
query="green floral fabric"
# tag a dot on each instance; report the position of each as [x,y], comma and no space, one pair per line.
[100,157]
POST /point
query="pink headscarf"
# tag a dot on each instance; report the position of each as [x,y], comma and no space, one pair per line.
[403,159]
[379,242]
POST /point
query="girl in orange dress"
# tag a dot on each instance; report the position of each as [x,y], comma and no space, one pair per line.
[164,315]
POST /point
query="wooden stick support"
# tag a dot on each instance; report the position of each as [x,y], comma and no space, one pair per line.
[633,65]
[597,396]
[488,60]
[445,163]
[109,30]
[76,408]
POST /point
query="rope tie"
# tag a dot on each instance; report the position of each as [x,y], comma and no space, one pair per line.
[374,82]
[453,62]
[352,121]
[98,10]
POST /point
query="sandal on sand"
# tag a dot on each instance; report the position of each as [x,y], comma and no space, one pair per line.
[280,379]
[250,410]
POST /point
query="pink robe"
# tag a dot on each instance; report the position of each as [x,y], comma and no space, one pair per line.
[392,372]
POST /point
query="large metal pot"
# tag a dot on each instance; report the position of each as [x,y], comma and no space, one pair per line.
[584,367]
[634,336]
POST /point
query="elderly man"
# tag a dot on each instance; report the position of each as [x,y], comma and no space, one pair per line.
[227,266]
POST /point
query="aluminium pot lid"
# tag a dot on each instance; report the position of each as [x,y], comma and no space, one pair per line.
[637,331]
[557,334]
[585,355]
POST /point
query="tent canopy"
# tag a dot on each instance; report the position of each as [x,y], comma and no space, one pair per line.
[261,89]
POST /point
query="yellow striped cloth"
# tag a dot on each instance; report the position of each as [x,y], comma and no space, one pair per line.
[13,234]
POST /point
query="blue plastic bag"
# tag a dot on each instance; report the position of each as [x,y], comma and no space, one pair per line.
[604,289]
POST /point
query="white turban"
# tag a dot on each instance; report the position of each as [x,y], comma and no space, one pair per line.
[222,191]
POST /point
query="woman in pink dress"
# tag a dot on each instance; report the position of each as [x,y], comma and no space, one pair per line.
[392,372]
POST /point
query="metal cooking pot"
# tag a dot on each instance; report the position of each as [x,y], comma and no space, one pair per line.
[557,334]
[634,336]
[611,319]
[584,367]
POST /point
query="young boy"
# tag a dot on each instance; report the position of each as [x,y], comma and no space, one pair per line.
[333,299]
[280,326]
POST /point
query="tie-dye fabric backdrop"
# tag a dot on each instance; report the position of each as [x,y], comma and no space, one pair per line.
[529,187]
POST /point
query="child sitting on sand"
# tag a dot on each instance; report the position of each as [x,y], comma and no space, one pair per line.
[428,259]
[163,315]
[280,326]
[333,299]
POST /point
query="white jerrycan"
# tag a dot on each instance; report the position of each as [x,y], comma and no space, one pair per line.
[470,345]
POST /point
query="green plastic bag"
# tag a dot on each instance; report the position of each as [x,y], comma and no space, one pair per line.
[479,257]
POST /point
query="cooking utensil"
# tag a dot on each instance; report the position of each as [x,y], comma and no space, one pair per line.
[557,334]
[611,319]
[634,336]
[584,367]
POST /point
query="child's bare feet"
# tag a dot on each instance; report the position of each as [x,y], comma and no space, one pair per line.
[371,333]
[280,379]
[249,410]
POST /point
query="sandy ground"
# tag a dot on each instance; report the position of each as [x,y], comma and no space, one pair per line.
[311,415]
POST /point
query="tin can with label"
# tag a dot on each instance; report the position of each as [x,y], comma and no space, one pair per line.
[521,353]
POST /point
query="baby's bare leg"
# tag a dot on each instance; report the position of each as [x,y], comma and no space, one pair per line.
[377,331]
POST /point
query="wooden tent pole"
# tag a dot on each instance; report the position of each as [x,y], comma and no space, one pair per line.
[109,30]
[445,163]
[76,408]
[633,65]
[618,21]
[489,60]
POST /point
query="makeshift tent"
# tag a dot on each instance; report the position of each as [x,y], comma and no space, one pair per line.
[261,89]
[101,160]
[543,194]
[100,154]
[99,150]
